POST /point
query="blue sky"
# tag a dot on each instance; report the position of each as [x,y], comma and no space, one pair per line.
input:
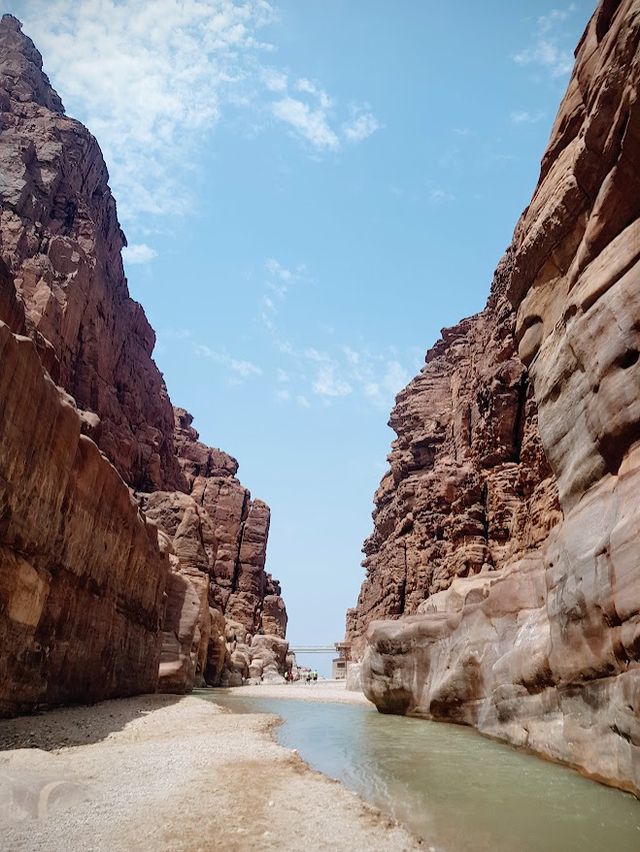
[311,190]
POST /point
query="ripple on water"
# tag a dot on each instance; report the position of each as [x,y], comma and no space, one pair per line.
[456,789]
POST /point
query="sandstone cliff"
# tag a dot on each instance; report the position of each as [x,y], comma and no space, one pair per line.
[93,459]
[218,589]
[543,650]
[469,486]
[82,572]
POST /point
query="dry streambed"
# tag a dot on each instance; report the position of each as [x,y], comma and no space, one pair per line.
[171,773]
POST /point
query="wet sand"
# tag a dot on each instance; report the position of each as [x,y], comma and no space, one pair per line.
[161,772]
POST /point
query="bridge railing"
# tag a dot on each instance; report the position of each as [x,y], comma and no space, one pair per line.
[313,649]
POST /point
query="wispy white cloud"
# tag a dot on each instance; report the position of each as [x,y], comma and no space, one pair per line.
[452,161]
[379,377]
[440,196]
[549,22]
[280,278]
[551,48]
[139,253]
[352,356]
[244,368]
[309,112]
[152,79]
[330,372]
[349,370]
[278,270]
[149,79]
[362,125]
[274,80]
[304,85]
[308,122]
[239,367]
[525,117]
[327,378]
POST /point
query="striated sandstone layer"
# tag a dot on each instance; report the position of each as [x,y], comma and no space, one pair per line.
[545,652]
[219,595]
[469,487]
[80,605]
[91,596]
[240,527]
[59,235]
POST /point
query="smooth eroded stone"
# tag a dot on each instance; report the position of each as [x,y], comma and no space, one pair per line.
[541,645]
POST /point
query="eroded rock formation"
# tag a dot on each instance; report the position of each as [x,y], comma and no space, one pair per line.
[218,589]
[469,486]
[544,651]
[108,502]
[80,605]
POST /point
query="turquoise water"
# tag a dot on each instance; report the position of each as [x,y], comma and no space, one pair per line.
[452,787]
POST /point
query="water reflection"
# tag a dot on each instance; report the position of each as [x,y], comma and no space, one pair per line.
[456,789]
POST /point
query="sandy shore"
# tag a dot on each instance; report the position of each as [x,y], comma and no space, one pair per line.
[163,772]
[322,690]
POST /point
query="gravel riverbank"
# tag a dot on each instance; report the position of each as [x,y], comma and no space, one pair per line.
[322,690]
[161,772]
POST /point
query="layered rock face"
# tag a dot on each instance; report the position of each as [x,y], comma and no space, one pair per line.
[469,486]
[61,238]
[544,652]
[92,457]
[219,595]
[82,572]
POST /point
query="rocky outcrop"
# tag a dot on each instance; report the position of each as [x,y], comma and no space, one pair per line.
[469,487]
[59,235]
[92,459]
[218,576]
[81,603]
[545,652]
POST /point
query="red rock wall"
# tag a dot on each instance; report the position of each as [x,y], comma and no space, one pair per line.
[242,589]
[81,571]
[469,487]
[63,285]
[59,235]
[218,584]
[545,652]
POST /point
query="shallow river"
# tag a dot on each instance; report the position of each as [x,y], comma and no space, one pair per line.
[456,789]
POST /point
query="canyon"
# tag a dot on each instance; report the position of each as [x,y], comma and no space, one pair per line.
[503,587]
[131,556]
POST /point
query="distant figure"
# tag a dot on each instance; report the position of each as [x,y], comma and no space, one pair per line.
[314,675]
[308,677]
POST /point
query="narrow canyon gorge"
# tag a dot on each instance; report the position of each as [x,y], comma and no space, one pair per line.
[502,575]
[502,584]
[131,557]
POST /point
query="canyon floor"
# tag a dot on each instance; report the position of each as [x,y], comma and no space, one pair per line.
[173,773]
[322,690]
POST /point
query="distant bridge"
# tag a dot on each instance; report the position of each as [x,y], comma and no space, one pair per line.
[313,649]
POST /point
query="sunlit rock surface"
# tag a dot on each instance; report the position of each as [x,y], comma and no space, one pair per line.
[93,597]
[81,605]
[219,538]
[469,487]
[544,651]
